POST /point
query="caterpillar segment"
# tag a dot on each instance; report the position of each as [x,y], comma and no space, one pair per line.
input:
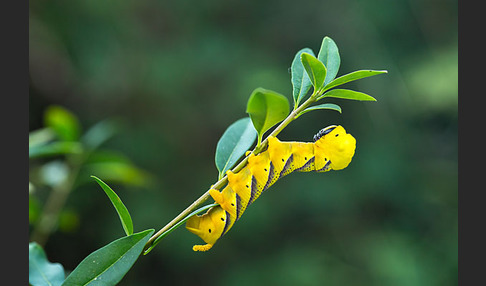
[210,226]
[333,149]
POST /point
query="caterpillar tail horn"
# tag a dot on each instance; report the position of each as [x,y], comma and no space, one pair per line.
[209,227]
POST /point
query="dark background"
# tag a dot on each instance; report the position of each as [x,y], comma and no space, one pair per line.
[177,74]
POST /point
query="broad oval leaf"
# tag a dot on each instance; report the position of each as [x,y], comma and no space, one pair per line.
[299,78]
[63,122]
[329,56]
[41,271]
[125,218]
[236,140]
[330,106]
[266,108]
[353,76]
[108,265]
[348,94]
[315,70]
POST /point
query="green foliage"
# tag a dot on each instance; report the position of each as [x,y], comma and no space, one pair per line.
[266,108]
[329,106]
[348,94]
[321,71]
[390,219]
[125,218]
[236,140]
[300,80]
[108,265]
[61,156]
[97,134]
[352,77]
[54,149]
[114,167]
[41,271]
[315,69]
[329,56]
[63,122]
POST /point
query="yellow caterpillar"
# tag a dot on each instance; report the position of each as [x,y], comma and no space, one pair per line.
[333,149]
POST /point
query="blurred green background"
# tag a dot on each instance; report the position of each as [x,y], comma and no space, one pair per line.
[176,74]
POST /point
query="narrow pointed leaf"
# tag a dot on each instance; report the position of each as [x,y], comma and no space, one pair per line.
[99,133]
[330,106]
[114,167]
[108,265]
[41,271]
[315,70]
[236,140]
[353,76]
[329,56]
[54,149]
[347,94]
[125,218]
[125,173]
[299,78]
[41,136]
[266,108]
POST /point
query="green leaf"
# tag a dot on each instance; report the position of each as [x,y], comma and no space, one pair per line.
[329,56]
[266,108]
[99,133]
[63,122]
[347,94]
[120,172]
[299,78]
[108,265]
[41,271]
[236,140]
[330,106]
[55,148]
[315,70]
[122,211]
[41,137]
[353,76]
[114,167]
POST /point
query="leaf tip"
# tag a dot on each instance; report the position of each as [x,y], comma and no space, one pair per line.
[98,180]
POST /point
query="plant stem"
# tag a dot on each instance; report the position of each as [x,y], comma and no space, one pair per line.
[54,204]
[220,183]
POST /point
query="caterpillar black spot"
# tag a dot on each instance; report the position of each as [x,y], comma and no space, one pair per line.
[332,149]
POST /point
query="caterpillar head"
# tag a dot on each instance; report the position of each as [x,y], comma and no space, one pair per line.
[209,227]
[334,144]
